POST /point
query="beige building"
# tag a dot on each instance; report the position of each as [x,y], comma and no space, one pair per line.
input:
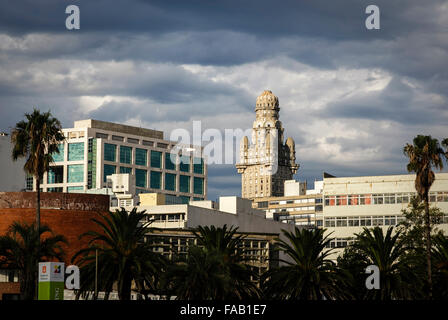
[175,223]
[352,203]
[266,161]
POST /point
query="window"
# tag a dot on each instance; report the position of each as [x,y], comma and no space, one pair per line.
[125,170]
[101,135]
[55,174]
[198,185]
[353,221]
[74,189]
[170,164]
[156,159]
[57,189]
[155,180]
[140,157]
[184,182]
[58,157]
[29,182]
[184,164]
[76,151]
[140,178]
[170,181]
[75,173]
[341,222]
[110,151]
[132,140]
[148,143]
[162,145]
[378,221]
[125,154]
[108,170]
[118,138]
[198,165]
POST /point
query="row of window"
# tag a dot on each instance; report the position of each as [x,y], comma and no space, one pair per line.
[381,198]
[155,158]
[155,179]
[368,221]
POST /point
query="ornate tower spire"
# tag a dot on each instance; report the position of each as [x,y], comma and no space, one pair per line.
[266,162]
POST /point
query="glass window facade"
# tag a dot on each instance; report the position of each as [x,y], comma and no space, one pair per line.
[198,165]
[55,174]
[140,157]
[170,181]
[184,164]
[184,183]
[108,170]
[140,178]
[76,151]
[58,157]
[75,173]
[156,159]
[110,151]
[74,189]
[198,185]
[125,154]
[170,164]
[155,180]
[184,199]
[125,170]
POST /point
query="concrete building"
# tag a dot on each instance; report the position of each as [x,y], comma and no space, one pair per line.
[267,161]
[94,150]
[298,205]
[352,203]
[11,172]
[176,222]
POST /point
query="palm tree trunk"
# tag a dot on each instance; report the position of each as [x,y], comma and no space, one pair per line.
[428,246]
[36,277]
[37,204]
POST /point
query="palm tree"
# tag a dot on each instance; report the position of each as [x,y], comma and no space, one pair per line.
[214,269]
[37,137]
[22,248]
[311,275]
[124,256]
[440,255]
[386,252]
[423,154]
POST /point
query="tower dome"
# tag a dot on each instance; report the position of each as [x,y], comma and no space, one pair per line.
[267,100]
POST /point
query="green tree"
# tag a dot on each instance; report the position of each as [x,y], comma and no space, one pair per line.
[440,256]
[37,138]
[214,269]
[424,154]
[373,247]
[124,257]
[22,248]
[311,275]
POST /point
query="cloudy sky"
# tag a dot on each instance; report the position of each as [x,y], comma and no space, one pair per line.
[350,97]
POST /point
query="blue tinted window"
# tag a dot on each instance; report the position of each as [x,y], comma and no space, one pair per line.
[108,170]
[110,151]
[140,157]
[170,164]
[125,170]
[58,157]
[140,178]
[76,151]
[125,154]
[170,181]
[184,183]
[198,185]
[155,180]
[75,173]
[156,159]
[198,165]
[184,164]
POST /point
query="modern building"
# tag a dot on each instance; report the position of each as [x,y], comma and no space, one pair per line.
[352,203]
[298,204]
[11,172]
[94,150]
[267,161]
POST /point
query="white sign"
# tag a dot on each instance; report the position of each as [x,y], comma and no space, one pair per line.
[51,272]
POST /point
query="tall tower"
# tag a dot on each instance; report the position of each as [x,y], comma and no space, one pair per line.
[266,162]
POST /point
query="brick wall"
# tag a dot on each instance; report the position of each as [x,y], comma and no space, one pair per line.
[66,214]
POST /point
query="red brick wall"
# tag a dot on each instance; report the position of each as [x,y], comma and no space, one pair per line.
[9,287]
[65,213]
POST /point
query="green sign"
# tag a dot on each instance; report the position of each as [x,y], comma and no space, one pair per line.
[51,281]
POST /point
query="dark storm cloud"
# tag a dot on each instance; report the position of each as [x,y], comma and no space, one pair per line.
[397,102]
